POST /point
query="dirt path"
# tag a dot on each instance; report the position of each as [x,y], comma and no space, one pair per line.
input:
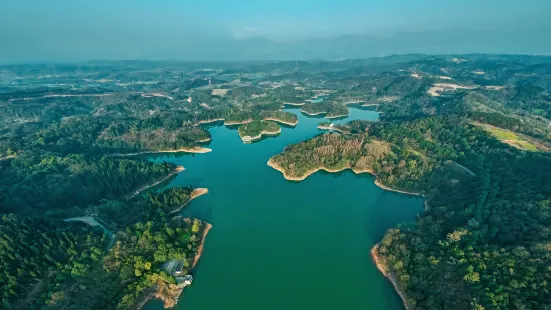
[7,157]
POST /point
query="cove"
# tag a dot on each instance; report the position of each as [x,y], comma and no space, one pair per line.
[278,244]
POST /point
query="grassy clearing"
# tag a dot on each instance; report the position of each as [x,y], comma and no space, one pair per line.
[502,134]
[523,145]
[510,138]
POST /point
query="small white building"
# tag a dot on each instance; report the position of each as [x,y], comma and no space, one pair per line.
[187,279]
[184,281]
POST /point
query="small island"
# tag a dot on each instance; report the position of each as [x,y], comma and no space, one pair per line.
[254,130]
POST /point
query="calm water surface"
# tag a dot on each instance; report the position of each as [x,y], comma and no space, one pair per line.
[278,244]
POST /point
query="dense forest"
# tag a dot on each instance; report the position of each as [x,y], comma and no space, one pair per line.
[38,256]
[470,132]
[330,109]
[32,185]
[285,117]
[473,231]
[256,129]
[51,263]
[481,242]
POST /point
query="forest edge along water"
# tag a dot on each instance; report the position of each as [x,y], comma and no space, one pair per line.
[326,224]
[310,172]
[383,268]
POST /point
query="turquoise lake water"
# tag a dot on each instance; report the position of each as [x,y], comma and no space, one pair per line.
[278,244]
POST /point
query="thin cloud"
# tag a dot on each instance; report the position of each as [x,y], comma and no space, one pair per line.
[246,32]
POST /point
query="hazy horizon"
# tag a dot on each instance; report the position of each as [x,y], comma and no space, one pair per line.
[250,30]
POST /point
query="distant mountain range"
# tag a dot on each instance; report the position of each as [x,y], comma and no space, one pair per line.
[513,40]
[362,46]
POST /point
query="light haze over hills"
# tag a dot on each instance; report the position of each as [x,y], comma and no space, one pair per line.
[262,30]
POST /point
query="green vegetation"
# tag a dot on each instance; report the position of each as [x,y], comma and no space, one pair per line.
[33,184]
[331,109]
[315,108]
[134,265]
[481,243]
[239,117]
[50,262]
[335,127]
[292,94]
[528,125]
[485,215]
[337,110]
[285,117]
[331,151]
[256,129]
[501,134]
[56,147]
[39,257]
[510,138]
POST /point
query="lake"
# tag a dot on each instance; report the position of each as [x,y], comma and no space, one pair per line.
[278,244]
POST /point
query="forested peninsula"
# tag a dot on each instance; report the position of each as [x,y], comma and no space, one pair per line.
[330,109]
[132,259]
[256,129]
[485,211]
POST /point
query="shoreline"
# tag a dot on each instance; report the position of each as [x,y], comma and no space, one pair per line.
[237,123]
[331,128]
[259,136]
[336,116]
[194,194]
[148,297]
[295,104]
[204,140]
[145,187]
[313,114]
[209,121]
[177,291]
[198,192]
[273,119]
[195,149]
[201,246]
[312,171]
[377,259]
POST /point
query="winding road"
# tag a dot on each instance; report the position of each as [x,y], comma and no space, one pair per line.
[88,220]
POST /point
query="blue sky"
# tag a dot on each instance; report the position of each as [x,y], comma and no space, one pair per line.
[116,28]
